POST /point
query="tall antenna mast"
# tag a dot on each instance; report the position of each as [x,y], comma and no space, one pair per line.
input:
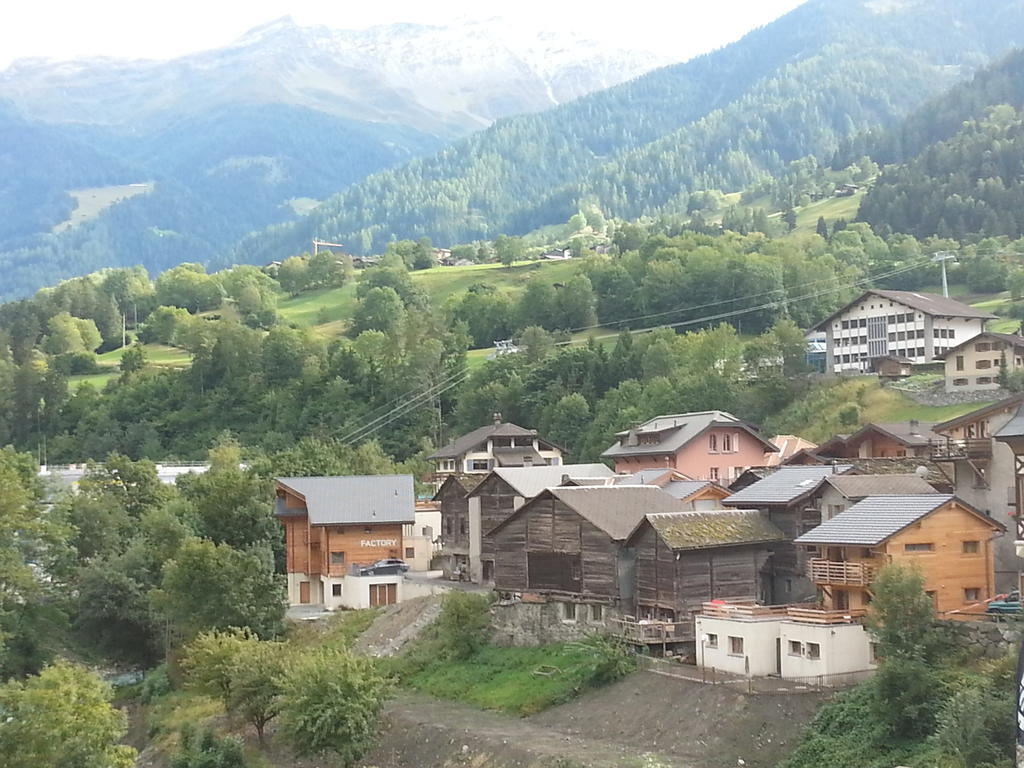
[318,243]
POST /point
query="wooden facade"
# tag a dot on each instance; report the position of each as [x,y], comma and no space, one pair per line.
[498,500]
[454,515]
[952,546]
[671,585]
[333,550]
[549,548]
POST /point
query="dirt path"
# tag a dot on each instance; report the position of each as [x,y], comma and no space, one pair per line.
[679,724]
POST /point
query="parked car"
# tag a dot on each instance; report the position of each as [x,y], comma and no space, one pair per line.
[1004,604]
[387,567]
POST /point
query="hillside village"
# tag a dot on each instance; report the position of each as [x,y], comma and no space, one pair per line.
[454,395]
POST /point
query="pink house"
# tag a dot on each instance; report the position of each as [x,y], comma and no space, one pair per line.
[709,445]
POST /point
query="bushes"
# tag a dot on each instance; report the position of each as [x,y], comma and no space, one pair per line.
[463,625]
[203,749]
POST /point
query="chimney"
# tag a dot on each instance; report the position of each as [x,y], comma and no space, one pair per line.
[497,418]
[565,480]
[915,427]
[632,439]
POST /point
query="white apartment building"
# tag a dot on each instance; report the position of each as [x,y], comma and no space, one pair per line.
[917,326]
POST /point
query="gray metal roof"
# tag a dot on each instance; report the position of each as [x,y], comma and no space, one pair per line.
[477,437]
[676,430]
[529,481]
[681,489]
[355,498]
[1014,427]
[784,485]
[862,486]
[875,519]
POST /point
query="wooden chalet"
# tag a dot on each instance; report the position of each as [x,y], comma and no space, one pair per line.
[504,490]
[568,544]
[451,497]
[684,559]
[334,526]
[947,539]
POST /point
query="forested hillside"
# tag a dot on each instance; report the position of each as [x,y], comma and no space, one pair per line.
[827,71]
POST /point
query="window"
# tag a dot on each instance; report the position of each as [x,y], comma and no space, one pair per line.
[971,547]
[982,347]
[597,613]
[984,380]
[920,333]
[727,443]
[462,527]
[479,465]
[713,473]
[336,590]
[735,646]
[918,547]
[796,648]
[337,558]
[972,595]
[813,651]
[410,553]
[959,362]
[846,324]
[447,465]
[712,641]
[713,443]
[569,611]
[449,525]
[959,382]
[983,364]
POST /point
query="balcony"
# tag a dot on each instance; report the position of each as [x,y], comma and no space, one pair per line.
[805,613]
[971,448]
[822,571]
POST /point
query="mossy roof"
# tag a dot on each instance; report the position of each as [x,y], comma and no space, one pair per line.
[714,528]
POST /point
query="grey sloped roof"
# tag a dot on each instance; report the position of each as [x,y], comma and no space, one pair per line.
[930,303]
[355,498]
[618,509]
[716,528]
[862,486]
[1012,339]
[681,489]
[875,519]
[471,440]
[676,430]
[529,481]
[904,431]
[784,485]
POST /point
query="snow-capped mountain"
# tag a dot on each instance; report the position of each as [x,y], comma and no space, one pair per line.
[445,80]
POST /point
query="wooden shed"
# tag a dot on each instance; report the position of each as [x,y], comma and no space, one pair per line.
[684,559]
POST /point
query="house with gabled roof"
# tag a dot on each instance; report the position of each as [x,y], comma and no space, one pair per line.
[915,326]
[504,490]
[684,559]
[882,440]
[451,498]
[975,365]
[692,494]
[495,445]
[946,538]
[335,527]
[706,445]
[840,492]
[984,473]
[789,498]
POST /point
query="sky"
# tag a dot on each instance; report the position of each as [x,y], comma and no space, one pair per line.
[68,29]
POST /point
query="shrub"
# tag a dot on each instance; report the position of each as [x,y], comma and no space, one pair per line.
[203,749]
[463,625]
[157,683]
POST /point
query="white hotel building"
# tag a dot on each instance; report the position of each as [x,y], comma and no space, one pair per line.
[916,326]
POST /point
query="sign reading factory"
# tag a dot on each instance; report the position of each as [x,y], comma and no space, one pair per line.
[378,543]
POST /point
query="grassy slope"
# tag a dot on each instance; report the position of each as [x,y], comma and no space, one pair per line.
[157,356]
[831,208]
[817,415]
[92,201]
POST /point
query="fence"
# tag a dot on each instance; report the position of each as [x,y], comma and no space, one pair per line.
[754,685]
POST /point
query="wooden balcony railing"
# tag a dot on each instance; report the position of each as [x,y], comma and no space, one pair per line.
[808,613]
[727,610]
[645,631]
[823,616]
[971,448]
[822,571]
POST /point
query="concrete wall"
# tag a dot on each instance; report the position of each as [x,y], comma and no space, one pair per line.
[517,623]
[759,636]
[842,648]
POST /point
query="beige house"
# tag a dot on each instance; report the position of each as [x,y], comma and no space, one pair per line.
[422,539]
[492,446]
[974,365]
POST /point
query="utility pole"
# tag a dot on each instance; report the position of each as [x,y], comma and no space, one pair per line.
[942,257]
[318,243]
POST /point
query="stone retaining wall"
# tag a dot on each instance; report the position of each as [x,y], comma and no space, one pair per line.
[988,639]
[541,623]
